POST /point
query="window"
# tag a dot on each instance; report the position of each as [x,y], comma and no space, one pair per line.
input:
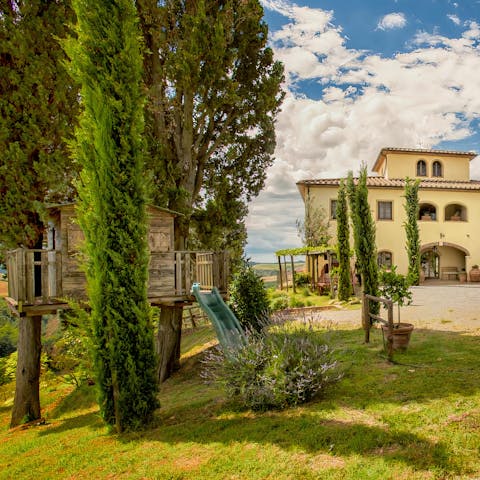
[427,211]
[333,209]
[384,211]
[437,169]
[421,168]
[384,259]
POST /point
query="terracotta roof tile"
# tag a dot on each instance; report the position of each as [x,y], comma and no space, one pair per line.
[379,182]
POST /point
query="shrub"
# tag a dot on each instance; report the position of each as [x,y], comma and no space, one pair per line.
[279,302]
[8,366]
[249,300]
[275,371]
[302,279]
[8,332]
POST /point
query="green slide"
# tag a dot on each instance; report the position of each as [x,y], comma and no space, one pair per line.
[228,329]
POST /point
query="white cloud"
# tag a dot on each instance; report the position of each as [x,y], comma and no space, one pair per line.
[454,19]
[417,98]
[391,21]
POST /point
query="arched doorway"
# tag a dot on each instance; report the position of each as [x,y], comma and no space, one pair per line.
[443,260]
[430,261]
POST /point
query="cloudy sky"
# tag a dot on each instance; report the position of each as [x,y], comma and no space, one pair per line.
[362,75]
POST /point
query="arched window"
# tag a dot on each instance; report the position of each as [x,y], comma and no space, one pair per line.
[437,169]
[427,211]
[455,212]
[384,259]
[421,168]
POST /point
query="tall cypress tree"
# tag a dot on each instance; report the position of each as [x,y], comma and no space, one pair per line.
[107,60]
[412,231]
[343,242]
[364,235]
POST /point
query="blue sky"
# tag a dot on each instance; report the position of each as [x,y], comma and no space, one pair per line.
[362,75]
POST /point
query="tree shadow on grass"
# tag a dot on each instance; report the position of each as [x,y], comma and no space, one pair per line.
[312,435]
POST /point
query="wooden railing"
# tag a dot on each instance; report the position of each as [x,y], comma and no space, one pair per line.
[36,276]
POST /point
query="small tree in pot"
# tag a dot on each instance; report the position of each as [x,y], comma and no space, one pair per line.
[396,287]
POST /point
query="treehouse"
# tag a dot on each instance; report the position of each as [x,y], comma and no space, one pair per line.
[41,281]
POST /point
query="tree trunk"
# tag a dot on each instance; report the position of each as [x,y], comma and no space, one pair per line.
[168,341]
[26,406]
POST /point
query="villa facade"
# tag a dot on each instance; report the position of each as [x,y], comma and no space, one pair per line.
[449,217]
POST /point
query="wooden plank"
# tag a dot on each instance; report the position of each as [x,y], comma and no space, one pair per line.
[178,273]
[22,281]
[58,271]
[30,276]
[44,276]
[188,273]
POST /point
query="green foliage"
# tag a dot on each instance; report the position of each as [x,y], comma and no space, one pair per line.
[38,107]
[412,231]
[364,234]
[313,230]
[8,366]
[343,242]
[107,61]
[303,250]
[248,299]
[213,91]
[70,355]
[281,369]
[302,279]
[8,332]
[395,286]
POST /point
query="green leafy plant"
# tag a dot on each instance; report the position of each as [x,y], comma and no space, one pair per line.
[395,287]
[343,240]
[249,299]
[281,369]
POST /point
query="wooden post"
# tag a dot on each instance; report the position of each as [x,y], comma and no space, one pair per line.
[390,331]
[280,272]
[293,274]
[286,270]
[366,317]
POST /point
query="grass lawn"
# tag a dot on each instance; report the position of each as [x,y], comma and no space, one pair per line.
[418,419]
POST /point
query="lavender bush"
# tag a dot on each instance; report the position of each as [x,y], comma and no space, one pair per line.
[284,368]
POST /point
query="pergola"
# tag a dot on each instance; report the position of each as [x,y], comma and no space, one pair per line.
[311,253]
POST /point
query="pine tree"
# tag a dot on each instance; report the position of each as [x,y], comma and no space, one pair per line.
[213,91]
[343,242]
[38,109]
[412,231]
[112,212]
[364,235]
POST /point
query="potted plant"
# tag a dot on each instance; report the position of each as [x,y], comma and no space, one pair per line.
[396,287]
[474,274]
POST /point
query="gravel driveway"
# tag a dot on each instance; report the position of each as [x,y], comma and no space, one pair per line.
[453,307]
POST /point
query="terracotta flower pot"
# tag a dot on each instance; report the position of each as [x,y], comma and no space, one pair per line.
[474,275]
[401,335]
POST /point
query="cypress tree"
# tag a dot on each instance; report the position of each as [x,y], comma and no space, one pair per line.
[343,241]
[364,235]
[412,208]
[108,63]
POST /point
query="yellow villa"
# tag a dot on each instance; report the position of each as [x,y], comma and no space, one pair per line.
[449,217]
